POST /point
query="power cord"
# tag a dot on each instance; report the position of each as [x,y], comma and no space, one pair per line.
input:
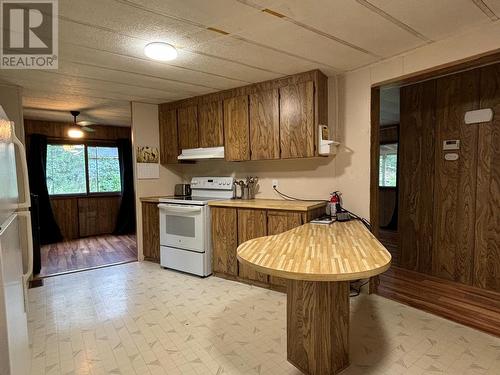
[339,194]
[356,291]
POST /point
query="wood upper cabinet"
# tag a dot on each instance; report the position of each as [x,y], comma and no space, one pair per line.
[279,222]
[265,125]
[251,224]
[151,231]
[297,125]
[187,123]
[224,240]
[169,149]
[210,124]
[236,129]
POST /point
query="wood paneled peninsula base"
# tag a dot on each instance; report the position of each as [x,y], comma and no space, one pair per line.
[318,262]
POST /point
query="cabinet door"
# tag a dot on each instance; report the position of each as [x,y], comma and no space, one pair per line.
[487,239]
[264,125]
[169,149]
[251,224]
[279,222]
[297,120]
[187,119]
[236,129]
[210,127]
[224,240]
[151,232]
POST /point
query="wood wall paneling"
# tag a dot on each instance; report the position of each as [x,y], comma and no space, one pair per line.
[251,224]
[54,129]
[187,125]
[66,215]
[487,238]
[224,240]
[210,124]
[264,125]
[151,231]
[97,215]
[279,222]
[455,181]
[416,175]
[169,148]
[236,129]
[297,120]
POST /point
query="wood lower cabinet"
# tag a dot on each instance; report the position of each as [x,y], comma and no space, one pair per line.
[169,147]
[297,120]
[224,241]
[265,125]
[279,222]
[151,231]
[233,226]
[236,129]
[187,125]
[210,124]
[251,224]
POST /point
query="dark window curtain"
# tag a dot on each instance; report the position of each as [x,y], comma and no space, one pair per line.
[125,223]
[37,161]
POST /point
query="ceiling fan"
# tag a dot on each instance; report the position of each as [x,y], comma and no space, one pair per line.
[84,125]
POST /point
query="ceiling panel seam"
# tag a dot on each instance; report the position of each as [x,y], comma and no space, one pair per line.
[394,20]
[307,27]
[486,10]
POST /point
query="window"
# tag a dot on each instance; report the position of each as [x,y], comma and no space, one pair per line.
[104,170]
[388,167]
[81,169]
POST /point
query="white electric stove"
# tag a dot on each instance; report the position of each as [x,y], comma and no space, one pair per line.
[185,238]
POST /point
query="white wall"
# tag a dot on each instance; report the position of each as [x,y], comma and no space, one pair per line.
[145,132]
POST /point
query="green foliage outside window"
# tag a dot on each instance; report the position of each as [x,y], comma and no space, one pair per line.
[388,165]
[66,172]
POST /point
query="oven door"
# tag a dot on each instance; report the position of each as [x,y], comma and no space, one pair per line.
[182,226]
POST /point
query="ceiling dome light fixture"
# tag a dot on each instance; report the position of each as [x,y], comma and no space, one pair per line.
[160,51]
[75,133]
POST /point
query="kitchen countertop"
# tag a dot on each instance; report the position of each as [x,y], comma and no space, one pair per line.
[340,251]
[153,199]
[269,204]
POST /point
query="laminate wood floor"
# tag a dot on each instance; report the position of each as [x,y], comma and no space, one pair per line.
[85,253]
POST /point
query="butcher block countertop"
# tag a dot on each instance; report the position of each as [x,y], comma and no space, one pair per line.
[340,251]
[269,204]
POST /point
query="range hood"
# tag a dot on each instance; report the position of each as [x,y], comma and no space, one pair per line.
[202,153]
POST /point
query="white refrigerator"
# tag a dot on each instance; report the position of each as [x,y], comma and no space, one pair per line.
[15,244]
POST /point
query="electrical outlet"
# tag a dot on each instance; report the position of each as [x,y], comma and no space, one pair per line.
[275,184]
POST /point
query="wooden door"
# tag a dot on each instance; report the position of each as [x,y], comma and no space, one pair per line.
[487,239]
[297,120]
[455,181]
[251,224]
[264,125]
[210,125]
[151,232]
[169,149]
[279,222]
[236,129]
[187,123]
[416,175]
[224,240]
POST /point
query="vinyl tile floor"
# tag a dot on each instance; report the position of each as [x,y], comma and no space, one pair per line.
[137,318]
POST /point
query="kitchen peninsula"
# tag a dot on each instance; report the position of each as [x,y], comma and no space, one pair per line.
[318,261]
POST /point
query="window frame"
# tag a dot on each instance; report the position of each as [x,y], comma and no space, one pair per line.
[86,144]
[397,165]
